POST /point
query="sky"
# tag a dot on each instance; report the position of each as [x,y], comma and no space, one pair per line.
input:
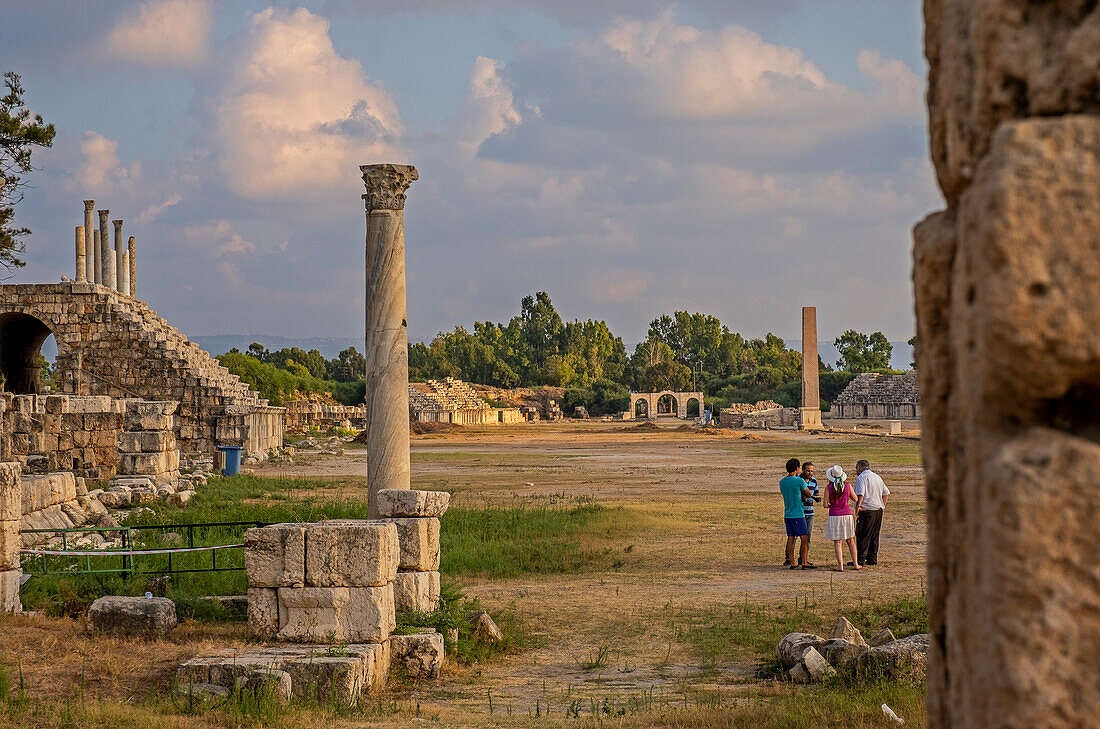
[743,158]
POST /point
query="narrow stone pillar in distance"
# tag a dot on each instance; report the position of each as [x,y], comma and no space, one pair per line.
[95,247]
[131,257]
[89,229]
[81,264]
[811,391]
[103,250]
[387,377]
[120,259]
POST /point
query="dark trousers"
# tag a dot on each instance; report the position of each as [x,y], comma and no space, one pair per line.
[868,524]
[810,529]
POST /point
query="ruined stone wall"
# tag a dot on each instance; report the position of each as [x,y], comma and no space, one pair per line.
[873,396]
[301,415]
[62,433]
[1008,351]
[112,344]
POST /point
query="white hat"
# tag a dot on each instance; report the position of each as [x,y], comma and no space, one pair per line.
[836,473]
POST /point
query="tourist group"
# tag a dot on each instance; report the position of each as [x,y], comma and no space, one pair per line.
[855,513]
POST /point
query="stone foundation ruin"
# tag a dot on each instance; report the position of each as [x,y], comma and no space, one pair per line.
[453,401]
[871,396]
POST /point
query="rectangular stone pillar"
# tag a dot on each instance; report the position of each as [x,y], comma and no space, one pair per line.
[387,353]
[1008,356]
[81,263]
[811,393]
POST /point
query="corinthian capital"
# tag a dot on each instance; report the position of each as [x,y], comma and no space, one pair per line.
[118,226]
[386,185]
[103,215]
[89,205]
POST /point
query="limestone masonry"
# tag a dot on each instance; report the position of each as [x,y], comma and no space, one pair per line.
[113,344]
[879,397]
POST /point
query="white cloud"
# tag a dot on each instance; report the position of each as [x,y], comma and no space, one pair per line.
[291,116]
[172,33]
[489,108]
[101,171]
[150,213]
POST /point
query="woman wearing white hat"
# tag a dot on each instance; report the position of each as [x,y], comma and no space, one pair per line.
[841,526]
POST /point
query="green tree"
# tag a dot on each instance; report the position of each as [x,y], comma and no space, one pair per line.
[21,131]
[655,367]
[862,353]
[542,331]
[348,366]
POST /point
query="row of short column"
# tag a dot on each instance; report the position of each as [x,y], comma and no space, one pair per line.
[96,261]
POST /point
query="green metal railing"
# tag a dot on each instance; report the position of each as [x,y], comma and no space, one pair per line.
[156,560]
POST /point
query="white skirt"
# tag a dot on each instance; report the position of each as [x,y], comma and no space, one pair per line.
[840,527]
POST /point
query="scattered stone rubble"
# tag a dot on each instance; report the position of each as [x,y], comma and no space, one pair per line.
[809,658]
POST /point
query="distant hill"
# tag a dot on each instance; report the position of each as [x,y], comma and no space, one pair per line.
[330,347]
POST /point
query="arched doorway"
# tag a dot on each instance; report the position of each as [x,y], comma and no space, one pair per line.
[641,408]
[21,339]
[666,405]
[693,407]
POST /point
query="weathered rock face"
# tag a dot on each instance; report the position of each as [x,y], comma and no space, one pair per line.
[793,645]
[321,614]
[410,503]
[844,630]
[882,637]
[1009,362]
[351,554]
[900,660]
[420,655]
[993,61]
[152,617]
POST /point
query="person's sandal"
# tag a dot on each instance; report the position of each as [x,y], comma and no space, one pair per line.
[838,569]
[809,566]
[794,566]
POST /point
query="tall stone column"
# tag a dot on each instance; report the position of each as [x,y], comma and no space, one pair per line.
[89,250]
[131,259]
[811,391]
[120,259]
[81,263]
[96,247]
[387,349]
[1008,359]
[103,250]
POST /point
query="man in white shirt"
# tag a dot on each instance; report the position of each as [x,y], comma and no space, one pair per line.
[871,497]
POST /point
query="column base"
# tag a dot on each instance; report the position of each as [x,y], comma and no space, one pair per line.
[810,418]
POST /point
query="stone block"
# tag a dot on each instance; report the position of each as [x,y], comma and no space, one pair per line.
[148,617]
[9,592]
[329,679]
[269,682]
[417,591]
[420,655]
[10,544]
[142,441]
[348,553]
[419,542]
[263,612]
[275,556]
[323,614]
[155,463]
[408,502]
[791,647]
[817,668]
[57,404]
[115,499]
[140,420]
[844,630]
[11,491]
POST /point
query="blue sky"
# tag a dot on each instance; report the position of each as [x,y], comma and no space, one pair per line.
[739,158]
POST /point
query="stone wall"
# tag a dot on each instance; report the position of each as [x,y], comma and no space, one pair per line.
[454,401]
[1008,351]
[301,415]
[11,512]
[113,344]
[62,433]
[872,396]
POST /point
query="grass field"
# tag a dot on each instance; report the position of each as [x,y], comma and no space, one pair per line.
[637,579]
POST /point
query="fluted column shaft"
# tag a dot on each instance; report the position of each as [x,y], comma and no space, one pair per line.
[103,250]
[131,257]
[120,259]
[81,270]
[89,229]
[387,353]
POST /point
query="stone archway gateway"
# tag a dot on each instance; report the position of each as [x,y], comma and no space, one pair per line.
[110,343]
[645,405]
[21,339]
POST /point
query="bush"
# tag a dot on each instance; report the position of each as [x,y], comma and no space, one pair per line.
[279,385]
[603,398]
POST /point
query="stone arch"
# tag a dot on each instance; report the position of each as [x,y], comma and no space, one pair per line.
[21,337]
[672,401]
[639,407]
[698,406]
